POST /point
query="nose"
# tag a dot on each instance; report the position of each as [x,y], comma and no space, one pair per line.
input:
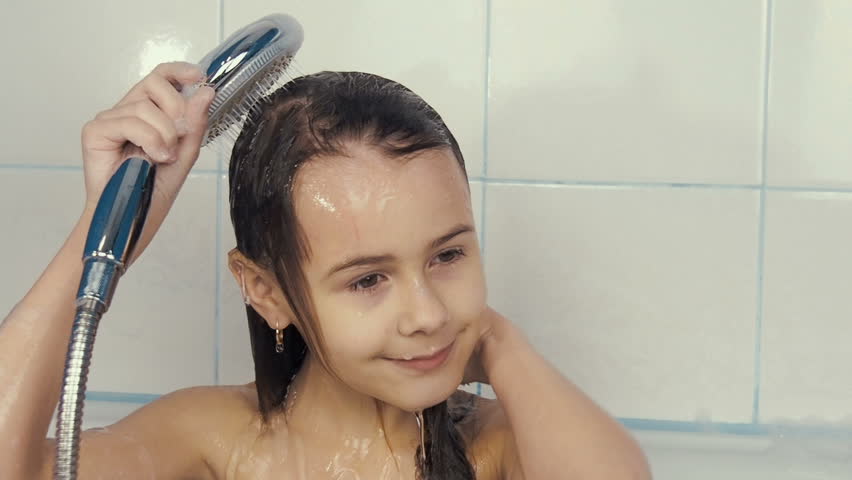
[423,311]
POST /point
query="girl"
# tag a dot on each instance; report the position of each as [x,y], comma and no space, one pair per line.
[364,289]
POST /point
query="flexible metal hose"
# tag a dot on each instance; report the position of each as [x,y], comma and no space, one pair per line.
[70,415]
[241,70]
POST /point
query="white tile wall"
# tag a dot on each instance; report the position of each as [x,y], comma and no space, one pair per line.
[39,208]
[644,297]
[66,61]
[810,101]
[617,90]
[436,48]
[158,336]
[235,361]
[806,324]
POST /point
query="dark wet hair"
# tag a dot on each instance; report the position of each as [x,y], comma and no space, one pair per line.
[314,116]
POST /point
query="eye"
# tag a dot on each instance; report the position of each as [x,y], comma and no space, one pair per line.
[449,256]
[366,284]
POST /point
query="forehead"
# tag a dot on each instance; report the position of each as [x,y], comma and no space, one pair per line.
[367,203]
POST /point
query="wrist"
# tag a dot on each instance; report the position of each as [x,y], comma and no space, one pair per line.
[502,343]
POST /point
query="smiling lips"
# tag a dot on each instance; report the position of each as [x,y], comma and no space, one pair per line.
[428,362]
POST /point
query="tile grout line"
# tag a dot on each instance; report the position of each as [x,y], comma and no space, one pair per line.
[761,233]
[635,423]
[533,182]
[485,111]
[217,300]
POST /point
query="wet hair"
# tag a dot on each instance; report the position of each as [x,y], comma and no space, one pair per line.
[310,117]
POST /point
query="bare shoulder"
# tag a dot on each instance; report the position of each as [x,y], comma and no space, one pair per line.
[227,400]
[180,435]
[214,407]
[214,417]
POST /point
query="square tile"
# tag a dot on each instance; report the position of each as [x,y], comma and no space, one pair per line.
[158,336]
[99,61]
[39,209]
[810,104]
[659,91]
[435,48]
[236,366]
[160,325]
[806,328]
[645,298]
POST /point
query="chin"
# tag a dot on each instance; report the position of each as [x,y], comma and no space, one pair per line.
[426,394]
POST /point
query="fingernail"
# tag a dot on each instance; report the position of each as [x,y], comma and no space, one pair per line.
[210,92]
[164,155]
[195,68]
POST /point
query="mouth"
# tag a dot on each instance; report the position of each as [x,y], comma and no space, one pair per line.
[427,362]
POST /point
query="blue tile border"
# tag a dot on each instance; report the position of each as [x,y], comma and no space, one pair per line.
[739,429]
[121,397]
[641,424]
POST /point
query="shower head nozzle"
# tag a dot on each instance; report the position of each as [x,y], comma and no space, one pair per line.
[247,65]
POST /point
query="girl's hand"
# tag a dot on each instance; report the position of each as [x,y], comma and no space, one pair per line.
[477,368]
[153,120]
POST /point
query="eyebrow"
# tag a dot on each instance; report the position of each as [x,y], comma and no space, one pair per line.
[374,259]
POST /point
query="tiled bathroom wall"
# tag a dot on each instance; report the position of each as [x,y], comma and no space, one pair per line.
[663,189]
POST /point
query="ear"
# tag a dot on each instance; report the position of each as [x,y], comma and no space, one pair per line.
[260,289]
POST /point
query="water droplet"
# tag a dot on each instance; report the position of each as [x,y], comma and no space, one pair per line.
[418,415]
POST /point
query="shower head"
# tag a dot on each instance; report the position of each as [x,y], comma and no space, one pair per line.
[241,71]
[247,65]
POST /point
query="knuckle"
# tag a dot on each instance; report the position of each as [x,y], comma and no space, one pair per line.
[152,137]
[88,131]
[162,67]
[170,138]
[143,107]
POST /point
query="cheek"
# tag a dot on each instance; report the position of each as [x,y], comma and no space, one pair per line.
[349,333]
[463,290]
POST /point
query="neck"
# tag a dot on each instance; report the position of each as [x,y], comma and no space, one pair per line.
[319,402]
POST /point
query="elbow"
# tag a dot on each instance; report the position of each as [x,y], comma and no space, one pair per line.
[628,466]
[639,472]
[636,468]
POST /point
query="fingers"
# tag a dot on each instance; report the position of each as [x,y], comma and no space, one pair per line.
[163,83]
[155,116]
[196,116]
[197,108]
[113,133]
[145,110]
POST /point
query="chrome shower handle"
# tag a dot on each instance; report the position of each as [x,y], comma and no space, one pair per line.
[116,226]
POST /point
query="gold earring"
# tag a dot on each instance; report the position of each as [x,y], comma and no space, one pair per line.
[246,298]
[279,340]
